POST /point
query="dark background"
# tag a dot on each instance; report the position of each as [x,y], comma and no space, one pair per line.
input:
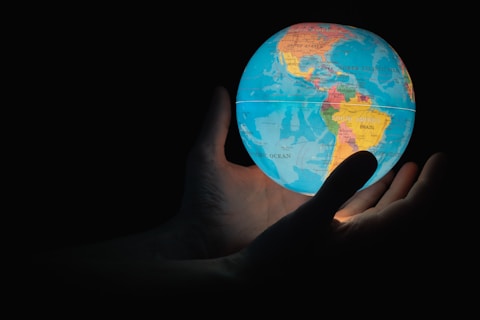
[120,94]
[116,96]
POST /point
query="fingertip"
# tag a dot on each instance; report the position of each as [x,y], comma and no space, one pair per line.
[347,178]
[211,139]
[435,168]
[219,94]
[220,99]
[354,171]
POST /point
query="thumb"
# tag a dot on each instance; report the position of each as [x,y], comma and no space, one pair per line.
[211,139]
[290,234]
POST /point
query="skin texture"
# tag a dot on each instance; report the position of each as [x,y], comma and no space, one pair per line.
[236,228]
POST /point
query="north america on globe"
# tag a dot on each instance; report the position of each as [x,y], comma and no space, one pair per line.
[315,93]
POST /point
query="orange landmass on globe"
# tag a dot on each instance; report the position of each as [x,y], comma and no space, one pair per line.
[308,39]
[408,82]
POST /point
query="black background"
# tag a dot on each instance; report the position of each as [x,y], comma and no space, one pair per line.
[115,97]
[119,94]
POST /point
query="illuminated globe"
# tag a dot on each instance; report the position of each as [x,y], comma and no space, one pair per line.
[314,93]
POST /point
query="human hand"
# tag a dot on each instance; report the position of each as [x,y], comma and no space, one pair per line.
[319,231]
[337,221]
[229,205]
[236,225]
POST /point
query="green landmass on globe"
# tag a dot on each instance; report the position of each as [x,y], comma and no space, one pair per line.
[315,93]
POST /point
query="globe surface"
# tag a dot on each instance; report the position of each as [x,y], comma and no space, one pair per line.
[314,93]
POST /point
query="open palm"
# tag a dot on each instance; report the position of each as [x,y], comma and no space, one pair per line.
[233,204]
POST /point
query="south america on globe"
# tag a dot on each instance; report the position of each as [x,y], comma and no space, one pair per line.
[315,93]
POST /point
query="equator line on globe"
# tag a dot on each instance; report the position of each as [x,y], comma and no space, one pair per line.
[314,93]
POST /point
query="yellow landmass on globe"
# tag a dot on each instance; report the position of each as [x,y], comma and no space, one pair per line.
[293,65]
[359,128]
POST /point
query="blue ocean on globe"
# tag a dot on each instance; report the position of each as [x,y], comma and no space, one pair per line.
[315,93]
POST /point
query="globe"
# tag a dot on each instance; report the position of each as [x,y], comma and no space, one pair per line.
[314,93]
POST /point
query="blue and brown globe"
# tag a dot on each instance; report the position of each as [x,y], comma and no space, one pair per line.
[314,93]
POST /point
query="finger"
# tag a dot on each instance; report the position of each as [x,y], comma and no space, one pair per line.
[292,232]
[343,183]
[424,192]
[401,184]
[430,179]
[364,199]
[212,137]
